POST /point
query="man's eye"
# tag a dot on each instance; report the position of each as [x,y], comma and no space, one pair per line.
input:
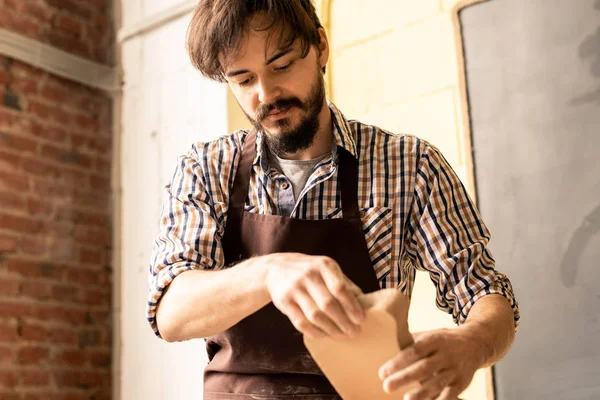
[284,67]
[245,82]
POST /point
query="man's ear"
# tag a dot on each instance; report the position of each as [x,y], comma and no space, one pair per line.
[323,53]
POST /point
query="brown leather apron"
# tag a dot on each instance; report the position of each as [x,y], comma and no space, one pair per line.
[263,356]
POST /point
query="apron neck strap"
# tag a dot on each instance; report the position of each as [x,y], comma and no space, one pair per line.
[347,178]
[239,192]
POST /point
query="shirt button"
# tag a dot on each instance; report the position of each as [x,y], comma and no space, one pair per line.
[285,185]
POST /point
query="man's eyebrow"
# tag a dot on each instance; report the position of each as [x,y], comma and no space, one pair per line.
[231,74]
[278,55]
[274,57]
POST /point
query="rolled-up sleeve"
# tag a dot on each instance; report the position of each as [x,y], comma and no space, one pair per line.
[190,230]
[448,239]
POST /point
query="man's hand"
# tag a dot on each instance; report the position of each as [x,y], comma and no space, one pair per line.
[314,293]
[443,360]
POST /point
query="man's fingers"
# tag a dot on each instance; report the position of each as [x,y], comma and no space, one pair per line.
[431,387]
[353,288]
[351,305]
[344,291]
[406,357]
[316,316]
[349,300]
[331,307]
[298,319]
[419,371]
[449,393]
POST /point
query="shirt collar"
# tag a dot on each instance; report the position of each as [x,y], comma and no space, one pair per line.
[343,136]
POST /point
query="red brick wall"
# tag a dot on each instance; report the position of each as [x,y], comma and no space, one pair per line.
[81,27]
[55,216]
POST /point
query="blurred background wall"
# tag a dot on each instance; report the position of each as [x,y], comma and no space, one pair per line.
[167,105]
[55,209]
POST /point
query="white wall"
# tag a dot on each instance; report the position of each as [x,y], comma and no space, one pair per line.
[167,105]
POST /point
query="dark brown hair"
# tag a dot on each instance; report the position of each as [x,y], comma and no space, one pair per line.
[217,27]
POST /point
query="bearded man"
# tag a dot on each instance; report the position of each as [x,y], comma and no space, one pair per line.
[271,233]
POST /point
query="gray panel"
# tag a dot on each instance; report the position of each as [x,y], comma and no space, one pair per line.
[533,79]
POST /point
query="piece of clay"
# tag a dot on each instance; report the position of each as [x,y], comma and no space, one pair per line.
[352,364]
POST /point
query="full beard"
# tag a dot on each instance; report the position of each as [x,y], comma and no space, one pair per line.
[291,140]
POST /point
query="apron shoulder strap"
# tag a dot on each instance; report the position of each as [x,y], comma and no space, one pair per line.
[237,197]
[348,179]
[239,191]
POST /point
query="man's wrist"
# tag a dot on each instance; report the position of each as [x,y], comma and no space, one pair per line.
[477,335]
[490,328]
[258,268]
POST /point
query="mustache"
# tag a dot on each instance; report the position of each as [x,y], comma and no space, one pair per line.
[281,104]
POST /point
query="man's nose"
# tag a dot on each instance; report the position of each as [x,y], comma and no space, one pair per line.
[268,91]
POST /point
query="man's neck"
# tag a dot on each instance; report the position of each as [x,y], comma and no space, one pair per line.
[322,142]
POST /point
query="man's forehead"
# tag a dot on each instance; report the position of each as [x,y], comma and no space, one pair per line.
[265,44]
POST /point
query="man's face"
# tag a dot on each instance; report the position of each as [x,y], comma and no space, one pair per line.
[281,93]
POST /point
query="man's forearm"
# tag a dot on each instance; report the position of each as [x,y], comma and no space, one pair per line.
[490,323]
[199,304]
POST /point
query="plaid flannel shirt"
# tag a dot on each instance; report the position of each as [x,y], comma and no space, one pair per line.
[416,213]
